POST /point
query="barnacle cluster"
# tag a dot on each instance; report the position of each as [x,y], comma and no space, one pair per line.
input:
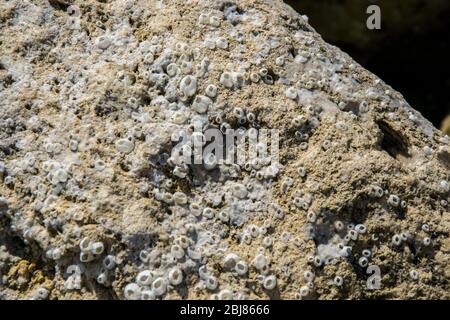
[95,98]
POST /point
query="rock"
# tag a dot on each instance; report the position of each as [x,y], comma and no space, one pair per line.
[348,164]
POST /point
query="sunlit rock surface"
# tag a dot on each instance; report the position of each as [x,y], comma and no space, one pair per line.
[93,204]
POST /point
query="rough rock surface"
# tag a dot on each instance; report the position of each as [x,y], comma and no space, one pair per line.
[92,205]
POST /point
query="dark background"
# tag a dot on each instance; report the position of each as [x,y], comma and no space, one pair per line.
[411,52]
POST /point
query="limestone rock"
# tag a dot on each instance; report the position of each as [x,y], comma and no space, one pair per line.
[95,203]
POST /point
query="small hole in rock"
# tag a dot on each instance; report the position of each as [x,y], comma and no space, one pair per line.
[444,158]
[393,142]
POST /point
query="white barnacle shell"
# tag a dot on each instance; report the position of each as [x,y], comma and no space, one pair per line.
[180,198]
[214,21]
[124,145]
[188,85]
[260,261]
[203,18]
[238,79]
[291,93]
[172,69]
[159,286]
[270,282]
[230,260]
[179,117]
[201,104]
[222,43]
[145,278]
[227,80]
[103,42]
[211,91]
[239,191]
[445,186]
[175,276]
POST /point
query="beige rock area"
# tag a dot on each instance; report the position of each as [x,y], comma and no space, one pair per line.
[94,204]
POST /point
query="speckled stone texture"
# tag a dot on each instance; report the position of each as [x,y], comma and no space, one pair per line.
[93,206]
